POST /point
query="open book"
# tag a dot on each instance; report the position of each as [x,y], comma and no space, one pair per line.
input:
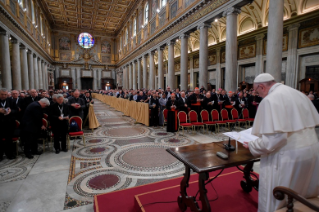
[242,136]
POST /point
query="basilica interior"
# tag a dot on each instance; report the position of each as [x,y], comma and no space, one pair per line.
[150,44]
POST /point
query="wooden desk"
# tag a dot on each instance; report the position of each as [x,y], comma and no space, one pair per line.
[202,159]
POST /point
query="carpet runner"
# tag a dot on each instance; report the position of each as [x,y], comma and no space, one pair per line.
[226,197]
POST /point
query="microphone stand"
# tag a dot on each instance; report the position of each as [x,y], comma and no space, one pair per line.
[228,146]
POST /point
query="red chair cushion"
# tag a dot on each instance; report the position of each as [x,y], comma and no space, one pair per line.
[186,125]
[209,122]
[250,119]
[220,122]
[15,139]
[241,120]
[231,121]
[197,123]
[76,133]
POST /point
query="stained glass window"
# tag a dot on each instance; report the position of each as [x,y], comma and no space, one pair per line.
[86,40]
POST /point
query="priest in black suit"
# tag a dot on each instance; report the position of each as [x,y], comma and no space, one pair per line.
[196,100]
[7,125]
[172,106]
[154,106]
[59,118]
[17,102]
[31,126]
[32,98]
[182,103]
[210,103]
[76,105]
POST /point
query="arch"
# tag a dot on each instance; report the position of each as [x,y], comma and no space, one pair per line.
[223,35]
[309,5]
[211,40]
[246,25]
[196,45]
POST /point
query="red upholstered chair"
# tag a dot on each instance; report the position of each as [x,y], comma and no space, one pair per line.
[205,119]
[225,117]
[194,121]
[234,114]
[44,138]
[16,139]
[215,118]
[245,113]
[182,120]
[80,133]
[165,111]
[45,116]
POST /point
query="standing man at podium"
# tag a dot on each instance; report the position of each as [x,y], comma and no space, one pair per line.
[287,145]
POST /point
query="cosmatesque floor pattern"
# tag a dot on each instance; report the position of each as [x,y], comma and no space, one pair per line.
[119,154]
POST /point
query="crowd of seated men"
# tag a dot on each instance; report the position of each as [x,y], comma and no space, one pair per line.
[196,100]
[30,114]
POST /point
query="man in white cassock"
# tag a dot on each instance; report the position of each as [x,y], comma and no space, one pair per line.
[287,145]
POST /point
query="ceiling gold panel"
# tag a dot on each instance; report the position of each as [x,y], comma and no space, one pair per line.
[100,15]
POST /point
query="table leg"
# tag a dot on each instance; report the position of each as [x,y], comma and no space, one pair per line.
[249,183]
[185,201]
[184,185]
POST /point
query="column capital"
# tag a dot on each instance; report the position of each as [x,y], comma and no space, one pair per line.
[293,26]
[218,49]
[23,47]
[14,41]
[152,52]
[140,58]
[34,56]
[184,35]
[4,33]
[172,42]
[204,25]
[230,11]
[160,48]
[145,55]
[29,51]
[260,37]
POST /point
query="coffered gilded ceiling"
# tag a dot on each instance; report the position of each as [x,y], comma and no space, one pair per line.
[105,16]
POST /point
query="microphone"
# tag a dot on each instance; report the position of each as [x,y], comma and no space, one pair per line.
[228,146]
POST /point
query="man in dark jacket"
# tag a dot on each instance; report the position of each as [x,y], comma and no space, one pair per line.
[59,118]
[76,105]
[32,98]
[7,125]
[31,126]
[154,105]
[17,102]
[182,103]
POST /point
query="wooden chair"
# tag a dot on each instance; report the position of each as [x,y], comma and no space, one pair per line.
[80,133]
[234,114]
[205,119]
[194,121]
[245,113]
[165,112]
[301,203]
[182,121]
[45,116]
[225,117]
[215,118]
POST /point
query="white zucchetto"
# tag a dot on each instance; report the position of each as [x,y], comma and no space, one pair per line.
[265,77]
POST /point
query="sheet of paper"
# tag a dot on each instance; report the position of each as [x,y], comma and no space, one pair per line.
[242,136]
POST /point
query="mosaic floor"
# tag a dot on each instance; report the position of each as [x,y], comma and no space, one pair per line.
[119,154]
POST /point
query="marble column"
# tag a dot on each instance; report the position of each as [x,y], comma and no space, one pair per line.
[152,71]
[274,39]
[78,79]
[16,66]
[73,77]
[99,77]
[124,78]
[36,72]
[184,61]
[30,70]
[139,73]
[171,71]
[291,73]
[5,60]
[40,74]
[218,69]
[127,77]
[94,78]
[259,68]
[130,76]
[191,74]
[134,76]
[203,54]
[160,68]
[43,74]
[144,71]
[231,49]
